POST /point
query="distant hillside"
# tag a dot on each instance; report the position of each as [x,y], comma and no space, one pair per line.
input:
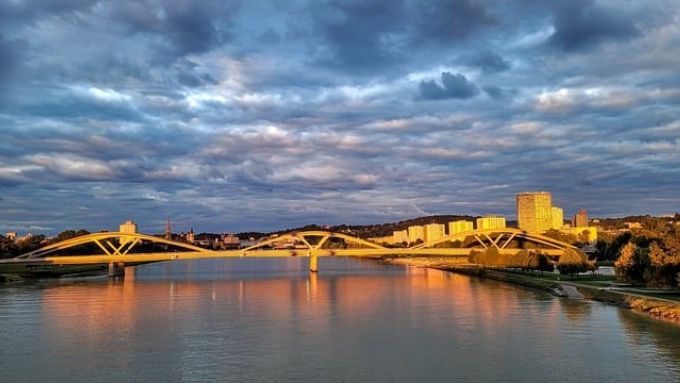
[368,231]
[647,221]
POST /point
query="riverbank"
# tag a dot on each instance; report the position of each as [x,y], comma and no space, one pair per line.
[656,307]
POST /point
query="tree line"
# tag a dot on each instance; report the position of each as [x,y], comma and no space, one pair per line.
[571,262]
[650,256]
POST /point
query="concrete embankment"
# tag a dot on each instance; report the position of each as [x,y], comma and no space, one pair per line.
[656,307]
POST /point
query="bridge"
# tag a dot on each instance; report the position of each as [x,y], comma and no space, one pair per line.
[117,250]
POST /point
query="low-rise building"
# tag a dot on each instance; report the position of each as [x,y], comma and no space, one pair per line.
[400,236]
[490,222]
[582,233]
[460,226]
[433,232]
[230,241]
[415,233]
[127,227]
[557,217]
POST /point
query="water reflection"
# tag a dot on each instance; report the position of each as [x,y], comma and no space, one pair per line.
[263,320]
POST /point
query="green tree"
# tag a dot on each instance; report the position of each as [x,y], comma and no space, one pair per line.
[560,236]
[7,247]
[539,262]
[474,257]
[489,257]
[631,263]
[523,259]
[573,262]
[30,243]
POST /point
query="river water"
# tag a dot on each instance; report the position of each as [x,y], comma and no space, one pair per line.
[265,320]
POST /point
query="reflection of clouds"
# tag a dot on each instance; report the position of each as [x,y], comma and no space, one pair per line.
[269,318]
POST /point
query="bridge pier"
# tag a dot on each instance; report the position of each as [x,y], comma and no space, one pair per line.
[313,263]
[116,269]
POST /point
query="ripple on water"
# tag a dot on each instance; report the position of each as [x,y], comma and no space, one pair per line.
[268,320]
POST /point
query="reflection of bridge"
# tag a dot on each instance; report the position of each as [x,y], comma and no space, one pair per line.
[121,249]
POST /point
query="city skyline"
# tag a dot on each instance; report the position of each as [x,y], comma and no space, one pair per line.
[257,116]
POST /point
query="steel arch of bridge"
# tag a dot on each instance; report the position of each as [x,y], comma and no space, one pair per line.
[324,235]
[127,241]
[499,238]
[117,248]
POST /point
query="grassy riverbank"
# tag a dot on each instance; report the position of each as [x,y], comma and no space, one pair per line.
[598,288]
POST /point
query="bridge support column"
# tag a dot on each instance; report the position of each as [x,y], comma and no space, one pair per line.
[313,263]
[116,269]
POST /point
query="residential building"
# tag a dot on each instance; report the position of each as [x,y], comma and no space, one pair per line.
[460,226]
[434,231]
[590,233]
[127,227]
[580,219]
[490,222]
[633,225]
[400,236]
[557,216]
[230,241]
[415,233]
[534,211]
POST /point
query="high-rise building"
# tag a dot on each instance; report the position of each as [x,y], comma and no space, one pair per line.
[400,236]
[127,227]
[534,211]
[580,219]
[490,222]
[433,232]
[415,233]
[557,217]
[460,226]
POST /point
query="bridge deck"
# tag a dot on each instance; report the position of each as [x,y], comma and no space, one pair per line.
[116,248]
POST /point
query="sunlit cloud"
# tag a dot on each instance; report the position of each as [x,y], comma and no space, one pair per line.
[225,118]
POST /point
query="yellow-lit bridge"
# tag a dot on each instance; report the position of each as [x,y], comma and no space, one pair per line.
[116,250]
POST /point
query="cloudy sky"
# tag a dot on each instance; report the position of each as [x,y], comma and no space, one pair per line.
[258,115]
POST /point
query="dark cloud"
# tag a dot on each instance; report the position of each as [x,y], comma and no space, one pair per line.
[189,26]
[358,33]
[496,92]
[189,74]
[452,86]
[267,114]
[581,24]
[489,62]
[11,52]
[446,21]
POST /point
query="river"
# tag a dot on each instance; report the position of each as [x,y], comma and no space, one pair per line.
[265,320]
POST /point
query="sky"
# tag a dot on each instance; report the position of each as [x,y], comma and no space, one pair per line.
[264,115]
